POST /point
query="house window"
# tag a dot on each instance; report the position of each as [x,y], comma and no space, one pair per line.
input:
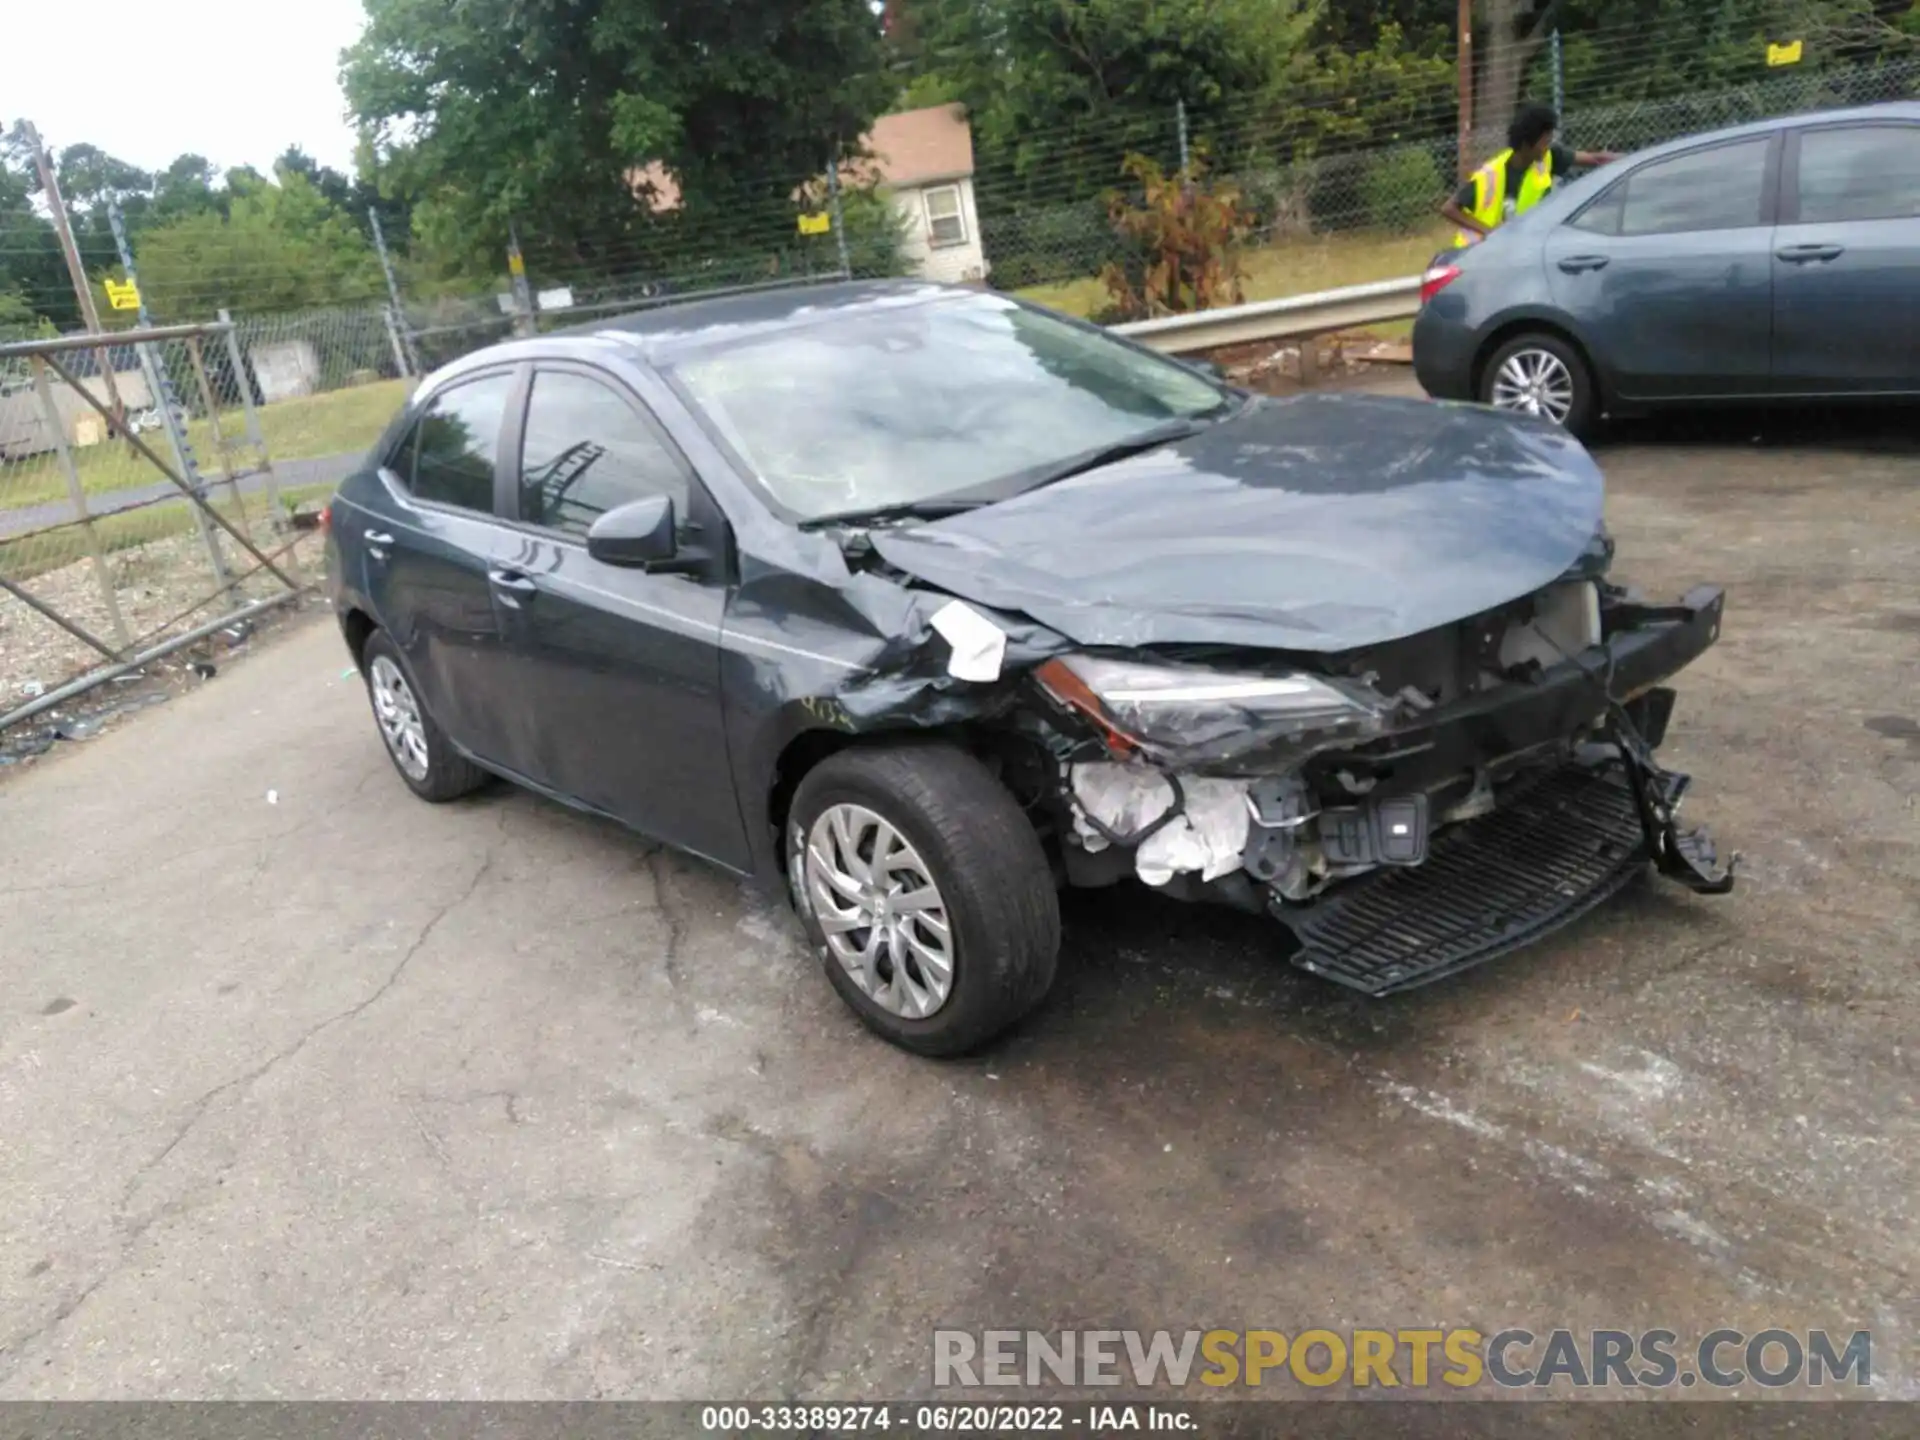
[946,221]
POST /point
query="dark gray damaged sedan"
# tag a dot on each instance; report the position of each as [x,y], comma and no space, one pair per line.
[924,603]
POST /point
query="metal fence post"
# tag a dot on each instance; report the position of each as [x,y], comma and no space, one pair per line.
[160,392]
[839,216]
[255,435]
[213,423]
[397,317]
[51,412]
[1180,123]
[1559,79]
[393,340]
[523,321]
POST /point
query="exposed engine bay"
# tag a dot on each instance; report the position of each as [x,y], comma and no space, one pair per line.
[1274,792]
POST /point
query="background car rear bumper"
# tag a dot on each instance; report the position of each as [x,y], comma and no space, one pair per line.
[1443,357]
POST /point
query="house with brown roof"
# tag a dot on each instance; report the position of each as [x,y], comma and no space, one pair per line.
[922,161]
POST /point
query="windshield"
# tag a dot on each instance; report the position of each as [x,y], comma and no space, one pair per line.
[887,407]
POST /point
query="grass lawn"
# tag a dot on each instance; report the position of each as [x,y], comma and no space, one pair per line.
[21,560]
[1293,267]
[314,425]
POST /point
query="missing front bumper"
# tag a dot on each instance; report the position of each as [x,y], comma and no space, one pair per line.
[1572,840]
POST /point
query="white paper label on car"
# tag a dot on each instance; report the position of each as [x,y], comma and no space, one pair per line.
[979,645]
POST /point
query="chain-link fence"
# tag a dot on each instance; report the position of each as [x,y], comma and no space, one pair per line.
[1303,191]
[140,509]
[1335,189]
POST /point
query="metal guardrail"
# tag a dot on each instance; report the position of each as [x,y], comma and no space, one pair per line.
[1290,318]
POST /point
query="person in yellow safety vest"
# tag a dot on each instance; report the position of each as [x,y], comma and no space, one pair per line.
[1513,182]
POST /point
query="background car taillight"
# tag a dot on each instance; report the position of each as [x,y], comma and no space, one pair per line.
[1437,278]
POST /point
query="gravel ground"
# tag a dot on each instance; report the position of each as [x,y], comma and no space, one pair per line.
[157,585]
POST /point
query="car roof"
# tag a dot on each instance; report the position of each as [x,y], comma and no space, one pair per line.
[652,332]
[1886,110]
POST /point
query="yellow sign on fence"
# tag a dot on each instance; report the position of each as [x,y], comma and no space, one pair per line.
[1787,54]
[818,223]
[122,295]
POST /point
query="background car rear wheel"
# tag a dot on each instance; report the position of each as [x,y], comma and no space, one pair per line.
[419,749]
[1540,374]
[925,893]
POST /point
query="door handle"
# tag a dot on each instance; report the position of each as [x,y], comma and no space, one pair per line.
[375,540]
[512,587]
[1801,254]
[1575,264]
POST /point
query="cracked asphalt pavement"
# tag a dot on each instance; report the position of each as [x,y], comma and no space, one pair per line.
[311,1090]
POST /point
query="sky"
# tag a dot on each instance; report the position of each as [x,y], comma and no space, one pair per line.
[234,80]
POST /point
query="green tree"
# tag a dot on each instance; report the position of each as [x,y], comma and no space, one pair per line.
[1043,80]
[487,112]
[186,188]
[280,246]
[33,275]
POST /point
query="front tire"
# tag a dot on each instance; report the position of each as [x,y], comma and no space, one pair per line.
[925,892]
[1541,374]
[418,747]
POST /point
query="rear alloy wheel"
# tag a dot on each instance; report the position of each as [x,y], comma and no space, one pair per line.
[1541,375]
[419,749]
[925,893]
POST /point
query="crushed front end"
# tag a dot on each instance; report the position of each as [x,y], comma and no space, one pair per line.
[1409,809]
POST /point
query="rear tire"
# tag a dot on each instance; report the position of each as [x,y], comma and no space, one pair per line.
[952,844]
[414,742]
[1541,374]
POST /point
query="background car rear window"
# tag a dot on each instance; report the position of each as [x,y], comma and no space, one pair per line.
[451,452]
[1866,172]
[1715,189]
[586,451]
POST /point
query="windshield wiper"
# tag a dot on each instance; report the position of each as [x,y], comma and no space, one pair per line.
[1139,444]
[902,510]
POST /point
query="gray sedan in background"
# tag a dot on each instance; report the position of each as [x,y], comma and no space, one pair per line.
[1776,261]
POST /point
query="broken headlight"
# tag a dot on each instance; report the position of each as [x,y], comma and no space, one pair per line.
[1178,708]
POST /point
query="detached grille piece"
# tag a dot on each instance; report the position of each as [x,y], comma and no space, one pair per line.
[1488,886]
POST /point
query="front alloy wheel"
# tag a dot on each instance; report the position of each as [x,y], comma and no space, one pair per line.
[925,891]
[883,917]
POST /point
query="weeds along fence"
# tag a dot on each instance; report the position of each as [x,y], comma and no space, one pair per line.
[140,507]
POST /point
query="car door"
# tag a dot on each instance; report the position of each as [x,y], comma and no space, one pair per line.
[430,545]
[620,705]
[1846,277]
[1669,273]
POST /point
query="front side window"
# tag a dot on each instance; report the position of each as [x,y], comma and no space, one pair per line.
[449,456]
[1716,189]
[896,405]
[587,451]
[946,220]
[1865,172]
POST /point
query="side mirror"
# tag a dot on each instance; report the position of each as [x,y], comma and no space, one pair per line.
[636,536]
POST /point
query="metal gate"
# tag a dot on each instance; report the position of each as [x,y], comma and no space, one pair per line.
[139,510]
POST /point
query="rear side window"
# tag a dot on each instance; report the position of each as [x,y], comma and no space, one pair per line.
[1865,172]
[448,457]
[1716,189]
[1602,217]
